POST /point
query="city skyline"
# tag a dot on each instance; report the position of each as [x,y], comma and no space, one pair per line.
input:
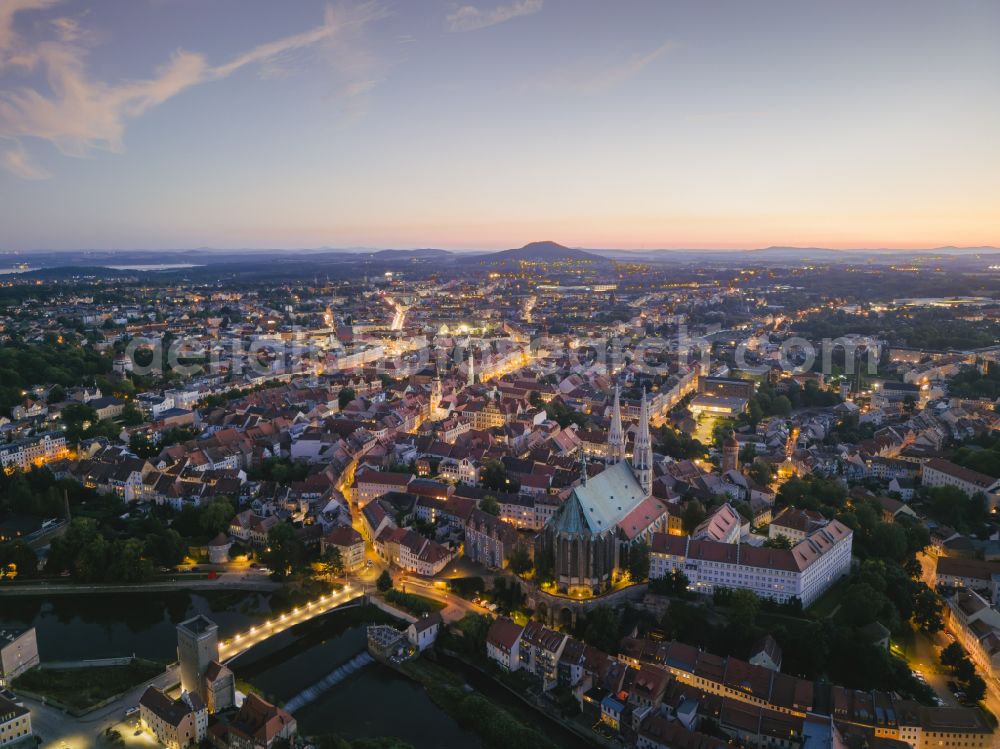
[488,125]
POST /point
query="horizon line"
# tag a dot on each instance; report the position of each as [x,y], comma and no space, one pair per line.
[638,250]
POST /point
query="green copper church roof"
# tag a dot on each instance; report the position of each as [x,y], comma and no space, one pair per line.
[601,503]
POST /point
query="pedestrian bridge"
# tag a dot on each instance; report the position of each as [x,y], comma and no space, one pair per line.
[240,643]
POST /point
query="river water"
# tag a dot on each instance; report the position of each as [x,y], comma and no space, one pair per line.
[319,664]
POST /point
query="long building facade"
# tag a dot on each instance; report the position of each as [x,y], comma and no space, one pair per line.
[805,571]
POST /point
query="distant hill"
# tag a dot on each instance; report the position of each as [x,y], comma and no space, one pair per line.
[539,252]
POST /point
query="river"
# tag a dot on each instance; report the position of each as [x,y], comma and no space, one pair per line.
[359,698]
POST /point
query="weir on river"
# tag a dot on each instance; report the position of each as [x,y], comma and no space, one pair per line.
[306,696]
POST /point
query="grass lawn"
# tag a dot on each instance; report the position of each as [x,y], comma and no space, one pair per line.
[80,688]
[412,603]
[829,601]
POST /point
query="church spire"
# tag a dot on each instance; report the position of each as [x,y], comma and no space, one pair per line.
[616,436]
[583,467]
[472,364]
[642,454]
[437,393]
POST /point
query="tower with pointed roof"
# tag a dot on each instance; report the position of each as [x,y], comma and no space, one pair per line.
[437,394]
[730,453]
[472,365]
[616,435]
[642,453]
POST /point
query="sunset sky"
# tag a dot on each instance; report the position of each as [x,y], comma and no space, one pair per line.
[426,123]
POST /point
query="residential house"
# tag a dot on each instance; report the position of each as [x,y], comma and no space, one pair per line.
[174,723]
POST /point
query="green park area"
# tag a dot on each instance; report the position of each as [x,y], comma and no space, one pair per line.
[80,689]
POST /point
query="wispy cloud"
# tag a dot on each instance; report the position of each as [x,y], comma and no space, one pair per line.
[9,9]
[80,115]
[16,161]
[471,18]
[593,81]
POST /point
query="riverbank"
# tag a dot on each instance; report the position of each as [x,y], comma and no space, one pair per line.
[80,690]
[258,584]
[497,725]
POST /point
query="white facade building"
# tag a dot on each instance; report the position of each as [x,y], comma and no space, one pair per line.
[805,571]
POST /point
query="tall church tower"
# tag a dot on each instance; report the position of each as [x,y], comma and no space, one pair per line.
[616,436]
[437,394]
[472,372]
[642,455]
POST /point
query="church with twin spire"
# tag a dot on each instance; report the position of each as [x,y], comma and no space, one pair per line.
[588,537]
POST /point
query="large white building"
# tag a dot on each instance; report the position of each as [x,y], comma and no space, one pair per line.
[34,451]
[940,472]
[805,571]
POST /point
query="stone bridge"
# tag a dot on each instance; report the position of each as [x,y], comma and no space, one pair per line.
[561,610]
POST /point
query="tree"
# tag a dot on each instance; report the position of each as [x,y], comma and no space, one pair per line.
[927,610]
[17,559]
[780,541]
[638,561]
[781,406]
[332,562]
[692,515]
[490,506]
[760,472]
[384,582]
[78,418]
[975,688]
[545,564]
[345,396]
[57,394]
[284,553]
[215,517]
[678,582]
[128,562]
[745,605]
[601,630]
[131,416]
[951,654]
[519,561]
[889,541]
[964,669]
[861,604]
[494,476]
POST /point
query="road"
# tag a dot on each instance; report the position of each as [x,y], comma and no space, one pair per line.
[63,731]
[456,607]
[926,659]
[399,314]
